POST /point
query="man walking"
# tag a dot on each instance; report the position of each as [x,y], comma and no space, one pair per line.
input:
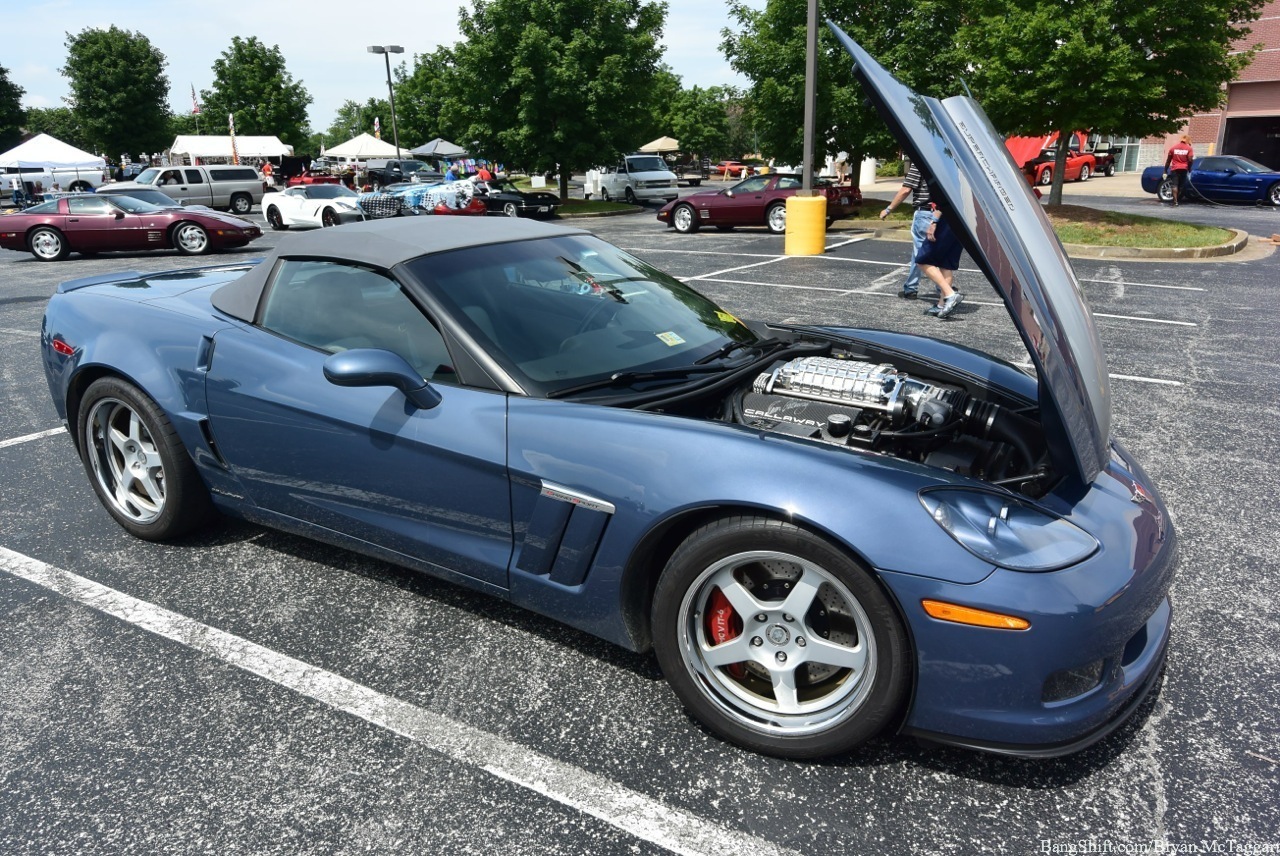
[918,189]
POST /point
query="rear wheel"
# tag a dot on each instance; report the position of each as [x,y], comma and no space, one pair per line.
[1109,170]
[509,210]
[47,244]
[777,640]
[1165,191]
[1085,172]
[684,219]
[241,203]
[604,194]
[1273,194]
[137,465]
[191,239]
[776,218]
[275,220]
[1046,177]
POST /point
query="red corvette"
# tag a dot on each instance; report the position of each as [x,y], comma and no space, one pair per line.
[312,178]
[87,223]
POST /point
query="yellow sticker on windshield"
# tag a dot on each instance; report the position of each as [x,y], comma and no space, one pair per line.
[671,339]
[726,317]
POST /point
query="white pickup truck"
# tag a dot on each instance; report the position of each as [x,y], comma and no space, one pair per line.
[639,178]
[67,178]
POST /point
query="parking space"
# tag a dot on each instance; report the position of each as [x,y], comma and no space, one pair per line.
[250,691]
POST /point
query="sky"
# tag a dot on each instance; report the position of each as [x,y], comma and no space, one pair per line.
[323,42]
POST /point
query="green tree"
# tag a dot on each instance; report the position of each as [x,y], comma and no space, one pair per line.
[353,119]
[119,90]
[556,84]
[698,118]
[1131,67]
[250,81]
[663,93]
[12,116]
[910,38]
[60,122]
[420,96]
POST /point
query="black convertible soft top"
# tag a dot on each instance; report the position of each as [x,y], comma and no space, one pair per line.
[382,244]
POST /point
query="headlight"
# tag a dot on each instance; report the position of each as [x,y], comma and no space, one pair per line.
[1006,532]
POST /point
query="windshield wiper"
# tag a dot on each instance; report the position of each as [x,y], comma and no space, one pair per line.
[628,378]
[728,349]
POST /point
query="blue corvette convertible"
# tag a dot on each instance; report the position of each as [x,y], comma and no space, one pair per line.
[822,533]
[1220,178]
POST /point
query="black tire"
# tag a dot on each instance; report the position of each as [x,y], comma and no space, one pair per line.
[1085,172]
[47,244]
[1165,191]
[274,220]
[629,195]
[328,217]
[1109,170]
[123,433]
[822,612]
[1046,177]
[684,219]
[775,218]
[191,239]
[1273,194]
[241,203]
[604,194]
[697,182]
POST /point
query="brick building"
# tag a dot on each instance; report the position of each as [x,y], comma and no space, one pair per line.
[1249,124]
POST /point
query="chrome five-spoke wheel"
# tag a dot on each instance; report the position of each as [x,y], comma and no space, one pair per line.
[126,463]
[779,640]
[191,239]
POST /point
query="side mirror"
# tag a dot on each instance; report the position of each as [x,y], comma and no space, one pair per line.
[119,215]
[727,192]
[376,367]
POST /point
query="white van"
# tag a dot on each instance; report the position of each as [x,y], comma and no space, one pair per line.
[639,178]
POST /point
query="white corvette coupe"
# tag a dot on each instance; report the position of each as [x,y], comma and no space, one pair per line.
[312,205]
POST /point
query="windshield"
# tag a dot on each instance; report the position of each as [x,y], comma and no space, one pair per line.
[148,176]
[329,191]
[413,166]
[155,197]
[559,312]
[646,164]
[133,206]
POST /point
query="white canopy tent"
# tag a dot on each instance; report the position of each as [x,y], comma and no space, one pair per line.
[49,152]
[190,146]
[365,146]
[662,144]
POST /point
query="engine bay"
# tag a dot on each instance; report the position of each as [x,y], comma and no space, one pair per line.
[847,400]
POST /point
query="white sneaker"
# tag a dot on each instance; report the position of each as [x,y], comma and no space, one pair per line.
[949,305]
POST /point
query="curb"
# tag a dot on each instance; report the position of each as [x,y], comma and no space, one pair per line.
[1239,240]
[636,210]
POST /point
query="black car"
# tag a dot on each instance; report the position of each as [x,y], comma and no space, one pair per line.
[503,197]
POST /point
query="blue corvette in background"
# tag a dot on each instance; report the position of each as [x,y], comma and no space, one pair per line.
[822,533]
[1219,178]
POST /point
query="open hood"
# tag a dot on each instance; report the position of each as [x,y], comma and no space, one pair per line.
[1003,227]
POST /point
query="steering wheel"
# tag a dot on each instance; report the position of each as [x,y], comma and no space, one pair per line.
[604,302]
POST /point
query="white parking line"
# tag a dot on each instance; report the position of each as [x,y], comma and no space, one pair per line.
[732,269]
[1126,284]
[1141,379]
[632,812]
[29,437]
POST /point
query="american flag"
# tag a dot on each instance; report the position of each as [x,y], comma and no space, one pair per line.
[377,128]
[195,105]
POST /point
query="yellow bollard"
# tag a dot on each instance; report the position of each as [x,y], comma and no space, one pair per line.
[806,225]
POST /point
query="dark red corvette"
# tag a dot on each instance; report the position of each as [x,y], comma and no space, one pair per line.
[87,223]
[758,200]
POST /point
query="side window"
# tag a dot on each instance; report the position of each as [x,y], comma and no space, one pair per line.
[169,177]
[88,205]
[1213,165]
[753,185]
[335,307]
[788,182]
[194,176]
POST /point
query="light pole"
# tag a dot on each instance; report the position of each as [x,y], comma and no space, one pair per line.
[387,51]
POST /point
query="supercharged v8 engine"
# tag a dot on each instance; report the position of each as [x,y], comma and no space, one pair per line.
[877,407]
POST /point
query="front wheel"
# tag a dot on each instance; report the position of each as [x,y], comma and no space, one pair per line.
[776,218]
[1273,194]
[1046,177]
[47,245]
[275,220]
[509,210]
[629,195]
[137,465]
[191,239]
[685,219]
[241,203]
[1109,170]
[777,640]
[1085,172]
[328,218]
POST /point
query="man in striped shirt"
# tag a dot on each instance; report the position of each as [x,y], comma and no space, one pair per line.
[917,188]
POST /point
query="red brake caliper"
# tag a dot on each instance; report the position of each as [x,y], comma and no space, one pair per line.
[723,624]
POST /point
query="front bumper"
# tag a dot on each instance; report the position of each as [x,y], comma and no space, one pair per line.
[1097,642]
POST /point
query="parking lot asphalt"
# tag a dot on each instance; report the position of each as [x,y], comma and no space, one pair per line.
[246,691]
